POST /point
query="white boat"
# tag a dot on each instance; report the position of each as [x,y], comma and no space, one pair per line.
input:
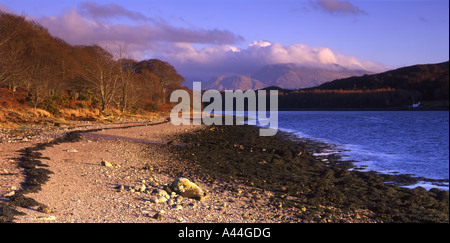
[415,105]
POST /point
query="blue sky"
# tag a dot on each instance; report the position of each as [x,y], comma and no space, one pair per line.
[199,34]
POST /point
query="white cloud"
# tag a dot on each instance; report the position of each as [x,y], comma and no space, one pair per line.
[223,60]
[260,43]
[234,49]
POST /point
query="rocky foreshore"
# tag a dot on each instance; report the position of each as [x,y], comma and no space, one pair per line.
[318,189]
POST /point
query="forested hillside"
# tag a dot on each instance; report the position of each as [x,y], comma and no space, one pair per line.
[46,74]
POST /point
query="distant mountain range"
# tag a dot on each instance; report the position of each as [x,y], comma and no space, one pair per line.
[287,76]
[235,82]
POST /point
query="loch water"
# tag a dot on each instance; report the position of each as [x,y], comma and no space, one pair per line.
[394,142]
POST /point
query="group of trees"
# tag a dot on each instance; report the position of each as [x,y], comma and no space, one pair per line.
[45,67]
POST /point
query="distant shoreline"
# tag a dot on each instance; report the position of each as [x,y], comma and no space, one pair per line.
[365,109]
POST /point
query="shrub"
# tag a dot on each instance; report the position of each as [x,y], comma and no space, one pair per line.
[49,105]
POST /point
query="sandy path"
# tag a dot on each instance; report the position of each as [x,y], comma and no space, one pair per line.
[82,190]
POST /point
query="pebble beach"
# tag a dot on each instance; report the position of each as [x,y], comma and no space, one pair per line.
[122,173]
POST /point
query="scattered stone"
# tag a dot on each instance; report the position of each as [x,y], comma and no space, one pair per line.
[154,199]
[46,209]
[142,188]
[9,194]
[186,188]
[160,215]
[71,150]
[171,202]
[154,184]
[162,193]
[106,163]
[162,199]
[205,196]
[121,188]
[51,218]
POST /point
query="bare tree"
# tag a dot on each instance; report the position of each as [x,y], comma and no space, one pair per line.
[128,90]
[10,73]
[102,75]
[38,85]
[11,26]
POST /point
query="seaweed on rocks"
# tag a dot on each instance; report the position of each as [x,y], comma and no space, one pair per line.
[303,181]
[35,177]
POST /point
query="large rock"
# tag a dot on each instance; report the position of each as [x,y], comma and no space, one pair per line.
[186,188]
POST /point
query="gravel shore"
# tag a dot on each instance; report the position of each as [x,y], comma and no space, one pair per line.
[82,189]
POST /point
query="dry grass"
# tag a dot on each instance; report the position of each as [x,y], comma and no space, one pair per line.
[12,117]
[4,123]
[40,113]
[81,113]
[5,120]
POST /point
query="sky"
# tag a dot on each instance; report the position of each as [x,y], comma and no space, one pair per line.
[203,38]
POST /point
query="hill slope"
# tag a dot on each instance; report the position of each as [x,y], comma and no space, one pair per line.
[395,89]
[430,79]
